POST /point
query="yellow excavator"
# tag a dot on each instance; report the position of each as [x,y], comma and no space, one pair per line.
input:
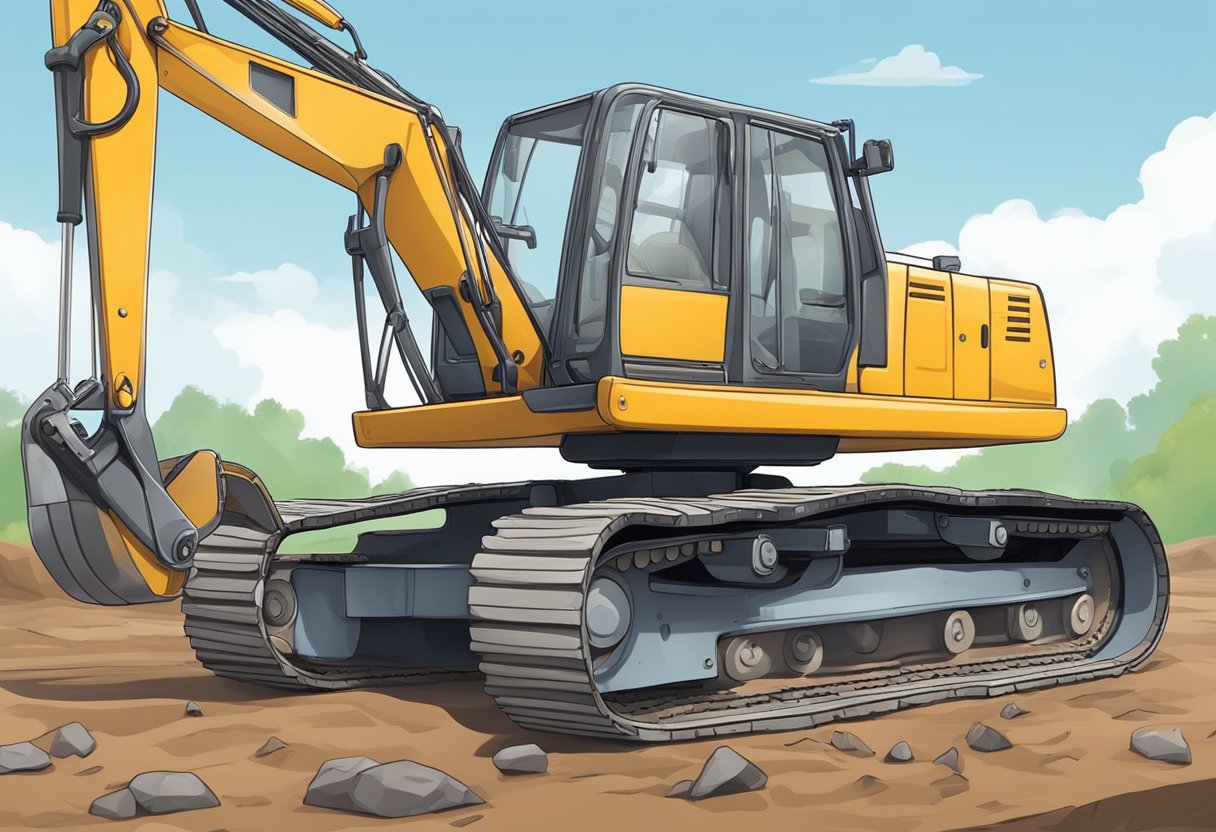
[674,289]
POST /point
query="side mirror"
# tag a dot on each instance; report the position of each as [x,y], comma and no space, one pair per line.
[524,233]
[877,156]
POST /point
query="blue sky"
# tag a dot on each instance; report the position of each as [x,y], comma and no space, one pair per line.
[1083,159]
[1074,96]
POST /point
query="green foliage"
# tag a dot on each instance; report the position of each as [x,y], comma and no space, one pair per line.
[1165,460]
[1176,484]
[1186,370]
[12,480]
[267,441]
[1085,461]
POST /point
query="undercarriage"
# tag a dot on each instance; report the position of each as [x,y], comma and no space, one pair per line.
[598,607]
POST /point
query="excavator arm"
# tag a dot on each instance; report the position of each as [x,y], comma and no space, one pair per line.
[106,491]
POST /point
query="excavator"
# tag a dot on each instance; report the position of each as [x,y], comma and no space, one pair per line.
[672,289]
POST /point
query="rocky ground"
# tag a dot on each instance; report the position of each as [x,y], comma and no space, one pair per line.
[127,675]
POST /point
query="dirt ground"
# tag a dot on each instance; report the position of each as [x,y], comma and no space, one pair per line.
[127,674]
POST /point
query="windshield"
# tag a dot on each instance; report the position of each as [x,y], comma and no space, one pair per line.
[530,198]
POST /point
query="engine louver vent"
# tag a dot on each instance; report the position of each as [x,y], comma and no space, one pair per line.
[927,291]
[1017,327]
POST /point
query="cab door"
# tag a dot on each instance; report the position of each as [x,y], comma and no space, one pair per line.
[972,338]
[674,292]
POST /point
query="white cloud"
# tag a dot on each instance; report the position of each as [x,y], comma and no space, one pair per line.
[1117,285]
[285,285]
[912,67]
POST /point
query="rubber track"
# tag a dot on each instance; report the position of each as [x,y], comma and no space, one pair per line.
[222,598]
[531,577]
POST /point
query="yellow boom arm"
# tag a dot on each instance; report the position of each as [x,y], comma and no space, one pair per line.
[107,492]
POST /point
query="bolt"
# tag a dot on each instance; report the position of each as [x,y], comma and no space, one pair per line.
[1001,534]
[1026,582]
[122,312]
[709,663]
[1042,363]
[622,403]
[1083,571]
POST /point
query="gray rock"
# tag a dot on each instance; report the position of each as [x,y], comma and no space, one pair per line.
[844,741]
[950,759]
[521,759]
[332,785]
[1012,711]
[192,709]
[270,746]
[1166,745]
[72,738]
[162,792]
[22,756]
[404,789]
[901,752]
[983,738]
[680,789]
[726,772]
[118,805]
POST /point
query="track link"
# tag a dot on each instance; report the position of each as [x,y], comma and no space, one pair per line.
[531,578]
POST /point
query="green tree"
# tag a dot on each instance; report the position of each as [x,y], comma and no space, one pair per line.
[1176,484]
[267,440]
[1085,462]
[12,480]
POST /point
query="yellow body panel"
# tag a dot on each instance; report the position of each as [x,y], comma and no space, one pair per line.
[644,405]
[898,423]
[889,380]
[928,335]
[502,422]
[1022,367]
[971,330]
[671,323]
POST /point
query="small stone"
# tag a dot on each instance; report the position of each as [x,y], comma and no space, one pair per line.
[162,792]
[521,759]
[331,787]
[1012,711]
[680,789]
[118,805]
[404,789]
[869,784]
[1165,745]
[851,743]
[72,738]
[270,746]
[983,738]
[726,772]
[192,709]
[22,756]
[901,752]
[950,759]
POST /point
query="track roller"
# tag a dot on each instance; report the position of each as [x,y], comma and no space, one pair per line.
[959,632]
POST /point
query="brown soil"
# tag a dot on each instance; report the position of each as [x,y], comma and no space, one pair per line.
[127,674]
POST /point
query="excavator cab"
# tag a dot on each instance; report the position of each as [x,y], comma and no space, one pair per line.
[659,235]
